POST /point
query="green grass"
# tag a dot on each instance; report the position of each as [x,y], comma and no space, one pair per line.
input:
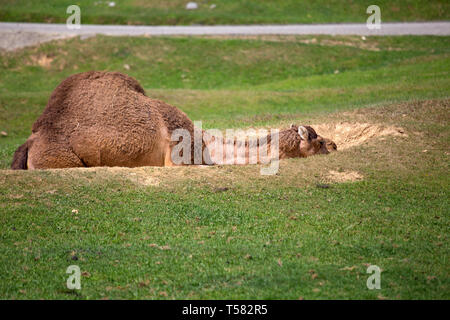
[157,12]
[228,232]
[233,82]
[267,238]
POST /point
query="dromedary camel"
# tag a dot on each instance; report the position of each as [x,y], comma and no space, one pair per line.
[105,119]
[295,142]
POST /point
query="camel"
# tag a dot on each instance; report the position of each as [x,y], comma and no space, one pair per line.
[102,118]
[295,142]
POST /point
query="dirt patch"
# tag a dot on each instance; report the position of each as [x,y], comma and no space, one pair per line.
[42,60]
[345,176]
[142,176]
[347,135]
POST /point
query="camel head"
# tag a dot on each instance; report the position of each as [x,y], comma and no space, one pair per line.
[303,141]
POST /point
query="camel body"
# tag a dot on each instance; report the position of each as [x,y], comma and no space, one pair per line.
[105,119]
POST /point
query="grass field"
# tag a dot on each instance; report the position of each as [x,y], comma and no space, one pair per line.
[173,12]
[228,232]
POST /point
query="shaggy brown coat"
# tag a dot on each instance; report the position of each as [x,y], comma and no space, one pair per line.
[101,119]
[105,119]
[290,145]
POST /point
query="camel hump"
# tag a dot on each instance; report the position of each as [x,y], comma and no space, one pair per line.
[77,89]
[20,157]
[113,77]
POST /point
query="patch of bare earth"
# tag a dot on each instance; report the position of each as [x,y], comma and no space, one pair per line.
[41,60]
[347,135]
[139,176]
[351,134]
[345,176]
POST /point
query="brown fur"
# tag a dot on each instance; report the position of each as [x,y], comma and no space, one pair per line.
[20,157]
[102,119]
[174,119]
[105,119]
[290,145]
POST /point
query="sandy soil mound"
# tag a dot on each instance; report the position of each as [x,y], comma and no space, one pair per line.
[347,135]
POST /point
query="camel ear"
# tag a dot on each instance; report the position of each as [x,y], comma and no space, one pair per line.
[303,132]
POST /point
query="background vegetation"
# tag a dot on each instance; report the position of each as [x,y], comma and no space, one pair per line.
[210,12]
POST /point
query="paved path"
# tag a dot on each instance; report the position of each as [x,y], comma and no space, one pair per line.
[12,34]
[425,28]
